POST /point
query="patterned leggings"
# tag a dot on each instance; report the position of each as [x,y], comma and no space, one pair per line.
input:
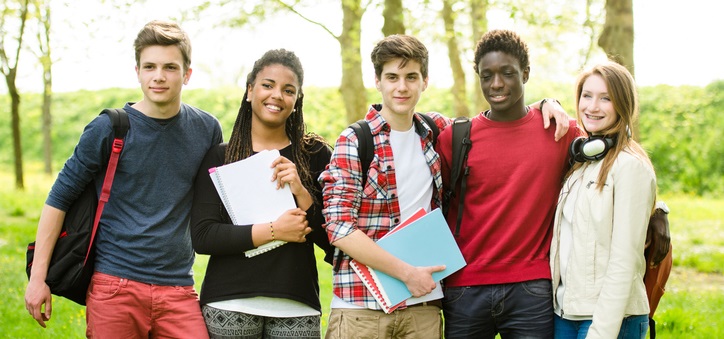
[223,324]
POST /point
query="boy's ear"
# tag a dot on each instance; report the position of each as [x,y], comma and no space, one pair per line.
[187,76]
[526,74]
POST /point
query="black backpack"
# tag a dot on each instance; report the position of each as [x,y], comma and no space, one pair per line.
[72,262]
[460,170]
[461,146]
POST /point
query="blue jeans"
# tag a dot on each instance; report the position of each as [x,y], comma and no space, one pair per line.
[633,327]
[518,310]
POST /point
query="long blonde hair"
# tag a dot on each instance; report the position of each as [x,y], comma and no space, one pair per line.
[621,89]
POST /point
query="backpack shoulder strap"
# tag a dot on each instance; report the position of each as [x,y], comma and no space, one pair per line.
[461,146]
[365,148]
[119,120]
[433,126]
[121,124]
[459,172]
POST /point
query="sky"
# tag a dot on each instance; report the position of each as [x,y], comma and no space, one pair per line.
[676,43]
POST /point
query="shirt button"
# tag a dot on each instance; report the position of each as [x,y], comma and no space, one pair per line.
[389,167]
[397,220]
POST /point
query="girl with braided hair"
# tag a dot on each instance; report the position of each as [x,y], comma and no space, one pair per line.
[274,294]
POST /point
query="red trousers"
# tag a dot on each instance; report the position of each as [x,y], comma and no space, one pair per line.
[122,308]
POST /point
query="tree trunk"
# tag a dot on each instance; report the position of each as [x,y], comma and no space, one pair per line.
[10,72]
[47,62]
[479,19]
[617,38]
[589,27]
[47,119]
[352,87]
[459,93]
[15,113]
[618,33]
[394,18]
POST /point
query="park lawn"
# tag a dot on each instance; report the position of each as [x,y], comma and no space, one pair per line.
[691,307]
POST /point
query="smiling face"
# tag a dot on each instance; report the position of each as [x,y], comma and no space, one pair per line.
[501,80]
[161,75]
[401,88]
[595,107]
[273,95]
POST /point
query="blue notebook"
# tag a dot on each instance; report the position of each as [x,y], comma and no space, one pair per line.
[426,241]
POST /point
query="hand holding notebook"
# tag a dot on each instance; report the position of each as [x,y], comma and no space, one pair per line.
[422,240]
[249,195]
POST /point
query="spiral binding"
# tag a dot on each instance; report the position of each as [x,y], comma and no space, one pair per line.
[264,248]
[368,277]
[222,195]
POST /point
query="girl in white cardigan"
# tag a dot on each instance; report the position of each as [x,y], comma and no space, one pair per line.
[597,250]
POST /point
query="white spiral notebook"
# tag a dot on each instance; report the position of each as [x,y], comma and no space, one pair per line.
[249,194]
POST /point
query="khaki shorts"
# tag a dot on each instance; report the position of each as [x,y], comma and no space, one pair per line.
[417,321]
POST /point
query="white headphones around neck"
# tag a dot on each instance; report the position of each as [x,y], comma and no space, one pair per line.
[594,148]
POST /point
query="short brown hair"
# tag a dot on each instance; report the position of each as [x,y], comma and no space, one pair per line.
[163,33]
[399,46]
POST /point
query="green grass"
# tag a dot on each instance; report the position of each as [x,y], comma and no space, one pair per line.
[691,307]
[697,230]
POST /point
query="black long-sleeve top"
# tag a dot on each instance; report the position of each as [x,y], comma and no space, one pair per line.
[289,271]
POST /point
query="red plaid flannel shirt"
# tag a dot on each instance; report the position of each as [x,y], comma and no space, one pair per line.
[374,208]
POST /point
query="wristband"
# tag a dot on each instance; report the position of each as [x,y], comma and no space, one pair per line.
[271,228]
[546,100]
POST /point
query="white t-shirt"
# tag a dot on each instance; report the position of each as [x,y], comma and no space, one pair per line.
[414,180]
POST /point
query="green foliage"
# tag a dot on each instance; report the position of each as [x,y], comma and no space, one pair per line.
[682,131]
[679,126]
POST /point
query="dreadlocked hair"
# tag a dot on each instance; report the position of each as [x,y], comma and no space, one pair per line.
[302,142]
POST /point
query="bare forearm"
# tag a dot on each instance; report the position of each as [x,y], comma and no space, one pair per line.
[304,200]
[360,247]
[363,249]
[49,226]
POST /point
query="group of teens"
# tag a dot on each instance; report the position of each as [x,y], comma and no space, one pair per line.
[551,251]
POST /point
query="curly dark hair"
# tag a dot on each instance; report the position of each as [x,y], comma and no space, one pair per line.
[240,146]
[505,41]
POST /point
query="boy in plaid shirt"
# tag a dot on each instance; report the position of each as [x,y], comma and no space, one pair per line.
[359,213]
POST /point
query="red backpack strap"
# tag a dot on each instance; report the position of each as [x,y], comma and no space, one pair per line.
[121,124]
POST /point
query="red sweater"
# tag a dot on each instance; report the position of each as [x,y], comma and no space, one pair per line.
[516,170]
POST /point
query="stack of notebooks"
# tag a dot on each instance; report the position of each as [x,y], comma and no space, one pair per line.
[249,194]
[424,239]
